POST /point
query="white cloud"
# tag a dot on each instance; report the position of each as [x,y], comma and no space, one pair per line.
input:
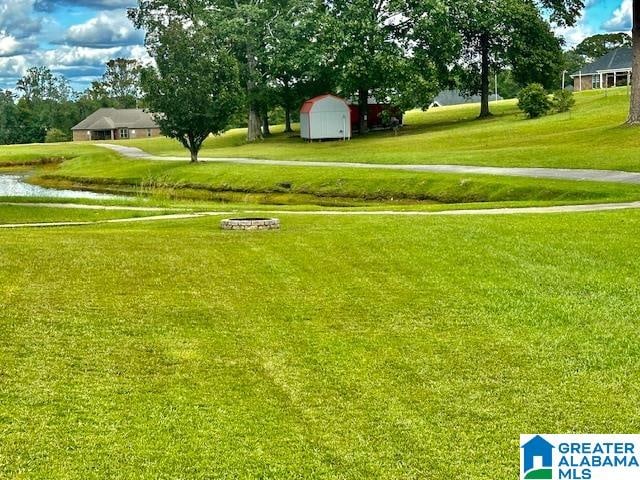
[17,19]
[104,31]
[574,35]
[621,18]
[10,46]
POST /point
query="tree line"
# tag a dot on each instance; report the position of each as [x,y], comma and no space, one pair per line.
[44,107]
[280,52]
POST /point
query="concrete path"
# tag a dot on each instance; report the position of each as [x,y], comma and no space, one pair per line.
[552,173]
[601,207]
[152,218]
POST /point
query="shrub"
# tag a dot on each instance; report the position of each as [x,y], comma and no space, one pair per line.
[55,135]
[534,101]
[563,101]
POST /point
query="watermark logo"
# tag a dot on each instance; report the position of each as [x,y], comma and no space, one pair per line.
[579,457]
[537,461]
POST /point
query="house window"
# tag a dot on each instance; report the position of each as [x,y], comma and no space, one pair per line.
[124,133]
[148,132]
[595,81]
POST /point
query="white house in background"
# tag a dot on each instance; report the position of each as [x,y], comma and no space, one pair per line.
[325,117]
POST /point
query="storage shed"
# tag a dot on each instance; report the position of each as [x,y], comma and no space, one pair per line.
[325,117]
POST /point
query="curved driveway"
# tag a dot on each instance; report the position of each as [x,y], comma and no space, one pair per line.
[535,172]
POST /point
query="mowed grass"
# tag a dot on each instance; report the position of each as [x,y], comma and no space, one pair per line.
[37,154]
[591,136]
[327,184]
[37,214]
[343,347]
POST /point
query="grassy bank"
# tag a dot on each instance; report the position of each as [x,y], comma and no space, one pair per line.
[31,214]
[591,136]
[348,348]
[42,154]
[325,185]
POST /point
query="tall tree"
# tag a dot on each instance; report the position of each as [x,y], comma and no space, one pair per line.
[46,101]
[8,118]
[634,101]
[39,83]
[194,87]
[375,49]
[294,62]
[121,81]
[596,46]
[243,24]
[499,33]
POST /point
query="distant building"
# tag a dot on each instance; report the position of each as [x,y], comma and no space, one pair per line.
[378,114]
[455,97]
[116,124]
[325,117]
[610,70]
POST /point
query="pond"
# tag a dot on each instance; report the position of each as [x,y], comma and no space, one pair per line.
[13,185]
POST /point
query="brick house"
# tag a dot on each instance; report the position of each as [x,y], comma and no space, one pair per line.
[116,124]
[610,70]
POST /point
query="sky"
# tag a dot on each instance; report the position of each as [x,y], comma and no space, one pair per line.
[76,38]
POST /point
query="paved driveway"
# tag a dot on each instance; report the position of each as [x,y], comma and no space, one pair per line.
[553,173]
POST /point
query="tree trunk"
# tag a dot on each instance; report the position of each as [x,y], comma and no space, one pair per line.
[287,107]
[254,123]
[634,103]
[265,125]
[363,107]
[287,119]
[484,76]
[253,131]
[193,146]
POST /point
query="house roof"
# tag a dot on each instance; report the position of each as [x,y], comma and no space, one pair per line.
[618,59]
[455,97]
[110,118]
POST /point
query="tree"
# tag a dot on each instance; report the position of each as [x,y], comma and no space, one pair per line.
[194,88]
[39,83]
[121,82]
[8,118]
[634,102]
[495,34]
[596,46]
[294,62]
[241,24]
[46,101]
[385,48]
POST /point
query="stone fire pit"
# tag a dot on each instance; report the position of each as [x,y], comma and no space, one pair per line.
[250,224]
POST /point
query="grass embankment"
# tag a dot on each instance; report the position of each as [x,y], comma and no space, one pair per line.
[591,136]
[43,154]
[327,185]
[31,214]
[346,348]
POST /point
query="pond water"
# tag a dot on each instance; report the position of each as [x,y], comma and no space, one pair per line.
[13,185]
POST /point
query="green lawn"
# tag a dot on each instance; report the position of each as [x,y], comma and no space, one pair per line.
[347,348]
[591,136]
[31,214]
[338,347]
[323,185]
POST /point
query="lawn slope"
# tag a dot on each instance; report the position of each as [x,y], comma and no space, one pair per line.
[591,136]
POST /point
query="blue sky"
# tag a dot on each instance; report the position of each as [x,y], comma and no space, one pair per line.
[77,37]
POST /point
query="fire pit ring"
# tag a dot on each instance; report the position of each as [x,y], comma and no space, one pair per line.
[250,224]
